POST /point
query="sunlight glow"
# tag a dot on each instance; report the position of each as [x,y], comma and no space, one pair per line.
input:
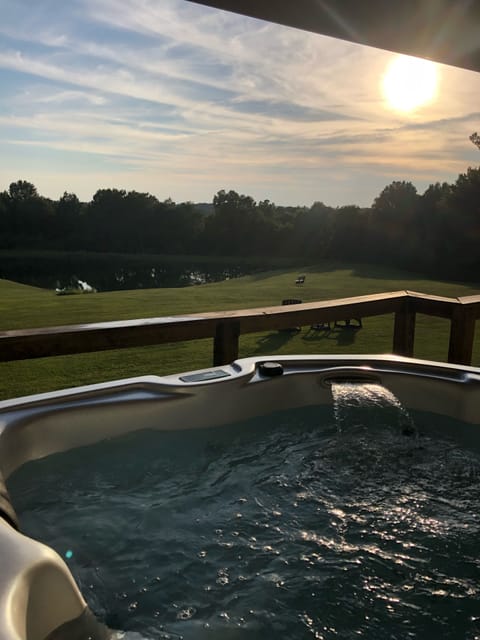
[410,83]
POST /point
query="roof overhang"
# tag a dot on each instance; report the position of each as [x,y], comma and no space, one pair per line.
[446,31]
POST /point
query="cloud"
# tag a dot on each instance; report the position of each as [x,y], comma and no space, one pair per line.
[194,94]
[72,96]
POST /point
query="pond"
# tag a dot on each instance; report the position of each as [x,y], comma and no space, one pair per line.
[113,272]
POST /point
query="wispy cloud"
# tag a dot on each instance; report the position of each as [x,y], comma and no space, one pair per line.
[207,99]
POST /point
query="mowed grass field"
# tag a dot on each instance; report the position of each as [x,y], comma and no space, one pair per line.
[22,307]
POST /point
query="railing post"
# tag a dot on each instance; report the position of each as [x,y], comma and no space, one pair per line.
[404,329]
[225,343]
[462,334]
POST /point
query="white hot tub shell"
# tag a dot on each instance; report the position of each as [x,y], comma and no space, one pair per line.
[39,599]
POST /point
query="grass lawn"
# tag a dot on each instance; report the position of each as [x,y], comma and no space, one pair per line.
[22,306]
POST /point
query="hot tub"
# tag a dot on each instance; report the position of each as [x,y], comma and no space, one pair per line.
[39,598]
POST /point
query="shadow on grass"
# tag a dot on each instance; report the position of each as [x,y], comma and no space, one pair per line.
[270,343]
[367,270]
[342,335]
[273,341]
[394,273]
[383,272]
[361,270]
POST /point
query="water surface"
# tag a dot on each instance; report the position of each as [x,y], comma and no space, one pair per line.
[282,527]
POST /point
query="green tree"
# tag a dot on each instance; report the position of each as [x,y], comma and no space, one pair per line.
[393,224]
[465,193]
[22,190]
[105,220]
[68,231]
[475,138]
[398,198]
[434,229]
[348,233]
[231,229]
[5,233]
[69,205]
[31,217]
[312,231]
[464,213]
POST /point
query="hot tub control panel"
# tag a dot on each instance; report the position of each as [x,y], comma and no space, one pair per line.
[204,376]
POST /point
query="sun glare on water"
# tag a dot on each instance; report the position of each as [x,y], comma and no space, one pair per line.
[410,83]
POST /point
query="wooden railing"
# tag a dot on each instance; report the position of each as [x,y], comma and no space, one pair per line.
[225,327]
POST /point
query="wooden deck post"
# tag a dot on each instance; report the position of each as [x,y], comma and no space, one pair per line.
[225,343]
[404,329]
[462,334]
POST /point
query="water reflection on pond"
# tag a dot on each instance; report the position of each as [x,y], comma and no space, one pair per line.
[112,272]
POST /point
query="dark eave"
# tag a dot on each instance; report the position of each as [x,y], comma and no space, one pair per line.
[446,31]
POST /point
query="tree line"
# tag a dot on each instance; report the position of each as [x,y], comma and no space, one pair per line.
[436,232]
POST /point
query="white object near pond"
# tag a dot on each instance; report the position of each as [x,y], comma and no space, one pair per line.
[80,287]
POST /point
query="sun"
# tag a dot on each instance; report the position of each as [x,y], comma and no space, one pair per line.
[410,83]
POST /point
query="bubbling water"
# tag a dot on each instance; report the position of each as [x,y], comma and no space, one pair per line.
[281,527]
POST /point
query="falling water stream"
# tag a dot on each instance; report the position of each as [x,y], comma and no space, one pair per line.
[351,400]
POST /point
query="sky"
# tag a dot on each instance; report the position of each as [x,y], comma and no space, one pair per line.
[179,100]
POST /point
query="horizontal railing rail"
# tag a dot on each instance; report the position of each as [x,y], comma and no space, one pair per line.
[225,327]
